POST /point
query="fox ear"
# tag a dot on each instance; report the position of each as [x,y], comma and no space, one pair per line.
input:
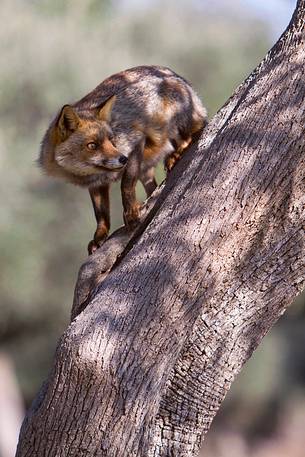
[104,113]
[68,121]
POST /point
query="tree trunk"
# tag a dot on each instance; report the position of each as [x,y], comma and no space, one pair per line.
[143,369]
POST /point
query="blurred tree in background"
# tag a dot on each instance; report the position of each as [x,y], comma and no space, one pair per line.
[53,52]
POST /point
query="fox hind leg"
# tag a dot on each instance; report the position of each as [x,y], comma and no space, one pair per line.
[185,137]
[175,156]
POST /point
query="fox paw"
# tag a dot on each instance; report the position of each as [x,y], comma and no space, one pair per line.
[169,163]
[99,239]
[132,217]
[92,247]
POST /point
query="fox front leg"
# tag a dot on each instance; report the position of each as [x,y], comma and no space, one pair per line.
[148,180]
[130,177]
[100,201]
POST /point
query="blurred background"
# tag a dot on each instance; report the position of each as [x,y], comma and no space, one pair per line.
[53,52]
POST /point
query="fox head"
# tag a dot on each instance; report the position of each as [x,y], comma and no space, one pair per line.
[83,144]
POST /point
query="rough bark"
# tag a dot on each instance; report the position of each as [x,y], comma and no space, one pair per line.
[143,369]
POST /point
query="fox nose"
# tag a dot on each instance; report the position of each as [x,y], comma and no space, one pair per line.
[123,159]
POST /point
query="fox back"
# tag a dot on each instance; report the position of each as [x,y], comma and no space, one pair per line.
[148,102]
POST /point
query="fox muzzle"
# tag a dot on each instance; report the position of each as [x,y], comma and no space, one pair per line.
[114,163]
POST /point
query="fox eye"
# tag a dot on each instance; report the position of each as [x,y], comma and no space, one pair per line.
[92,146]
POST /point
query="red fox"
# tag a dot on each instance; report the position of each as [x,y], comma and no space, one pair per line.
[120,130]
